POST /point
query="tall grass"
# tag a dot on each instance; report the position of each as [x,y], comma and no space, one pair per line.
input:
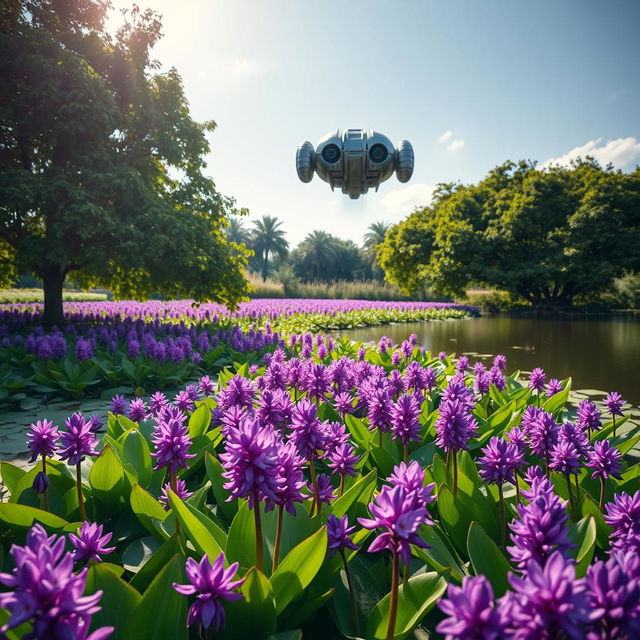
[10,296]
[341,289]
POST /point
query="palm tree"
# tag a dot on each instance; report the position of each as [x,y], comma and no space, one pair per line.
[236,231]
[319,255]
[375,234]
[268,240]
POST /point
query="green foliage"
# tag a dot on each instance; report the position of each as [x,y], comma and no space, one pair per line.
[101,175]
[544,235]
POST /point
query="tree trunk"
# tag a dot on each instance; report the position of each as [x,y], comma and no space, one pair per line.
[53,280]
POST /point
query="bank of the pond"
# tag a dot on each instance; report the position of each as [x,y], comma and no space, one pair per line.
[598,353]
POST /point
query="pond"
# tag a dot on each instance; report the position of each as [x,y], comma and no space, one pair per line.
[597,354]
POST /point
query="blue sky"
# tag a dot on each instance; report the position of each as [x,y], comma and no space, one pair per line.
[470,83]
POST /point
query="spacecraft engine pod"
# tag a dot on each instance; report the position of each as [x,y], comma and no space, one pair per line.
[355,160]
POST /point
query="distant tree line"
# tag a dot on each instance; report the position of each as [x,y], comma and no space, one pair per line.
[320,257]
[551,237]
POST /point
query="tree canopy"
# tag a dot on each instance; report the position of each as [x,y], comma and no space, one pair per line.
[268,240]
[101,165]
[546,235]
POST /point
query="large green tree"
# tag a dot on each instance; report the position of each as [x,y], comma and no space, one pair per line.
[373,238]
[546,235]
[101,165]
[268,240]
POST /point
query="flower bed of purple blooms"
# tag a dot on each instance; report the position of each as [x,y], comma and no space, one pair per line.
[323,493]
[152,345]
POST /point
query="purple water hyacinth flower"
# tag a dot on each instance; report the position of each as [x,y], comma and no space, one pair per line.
[554,386]
[344,403]
[210,583]
[322,351]
[613,589]
[564,458]
[338,535]
[183,401]
[442,356]
[326,492]
[335,434]
[206,386]
[396,358]
[548,602]
[481,383]
[96,422]
[157,402]
[455,426]
[307,432]
[623,516]
[543,434]
[137,410]
[78,440]
[463,364]
[497,379]
[588,416]
[343,459]
[192,392]
[42,439]
[540,527]
[361,353]
[406,348]
[119,405]
[290,479]
[518,438]
[605,460]
[529,416]
[411,477]
[395,511]
[415,376]
[253,369]
[500,362]
[47,592]
[379,410]
[251,463]
[317,381]
[537,379]
[40,483]
[180,491]
[575,434]
[614,402]
[396,383]
[478,368]
[533,476]
[405,425]
[85,349]
[171,440]
[239,391]
[458,390]
[233,417]
[90,543]
[471,612]
[499,461]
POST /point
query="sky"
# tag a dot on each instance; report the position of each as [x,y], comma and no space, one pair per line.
[470,83]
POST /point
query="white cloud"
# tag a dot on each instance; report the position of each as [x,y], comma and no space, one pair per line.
[445,136]
[619,152]
[456,145]
[401,202]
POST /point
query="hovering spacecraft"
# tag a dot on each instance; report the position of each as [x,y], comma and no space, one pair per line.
[355,160]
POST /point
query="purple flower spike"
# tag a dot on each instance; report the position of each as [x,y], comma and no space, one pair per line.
[290,479]
[537,379]
[613,588]
[40,483]
[42,439]
[471,612]
[78,440]
[565,458]
[137,410]
[343,460]
[605,460]
[614,403]
[251,463]
[326,492]
[47,592]
[541,524]
[89,544]
[500,362]
[411,477]
[307,431]
[181,492]
[588,415]
[405,425]
[548,602]
[623,516]
[172,442]
[338,532]
[555,386]
[119,405]
[210,583]
[499,461]
[455,425]
[400,516]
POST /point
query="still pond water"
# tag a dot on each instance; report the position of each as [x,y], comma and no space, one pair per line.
[597,354]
